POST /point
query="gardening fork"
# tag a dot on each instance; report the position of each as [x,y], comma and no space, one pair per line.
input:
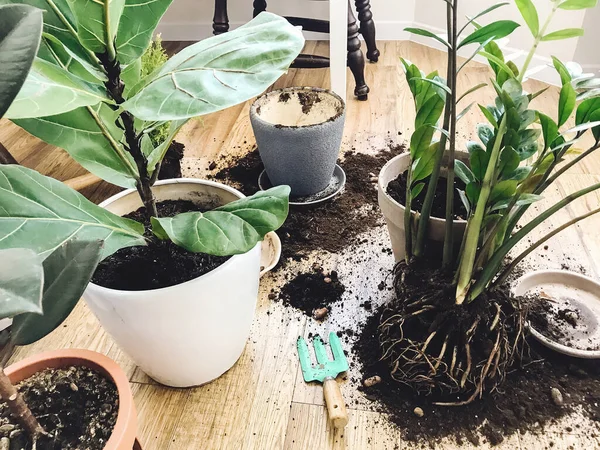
[325,372]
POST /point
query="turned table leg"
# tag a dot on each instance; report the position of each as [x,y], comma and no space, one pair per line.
[367,28]
[6,157]
[220,19]
[356,59]
[259,6]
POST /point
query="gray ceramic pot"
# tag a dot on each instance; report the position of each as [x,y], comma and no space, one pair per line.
[299,131]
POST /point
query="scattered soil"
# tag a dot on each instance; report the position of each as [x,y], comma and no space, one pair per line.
[522,403]
[76,405]
[171,165]
[333,225]
[309,292]
[159,264]
[397,190]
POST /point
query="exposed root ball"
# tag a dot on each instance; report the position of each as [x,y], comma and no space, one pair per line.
[455,352]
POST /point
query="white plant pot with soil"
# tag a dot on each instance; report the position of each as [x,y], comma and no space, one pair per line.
[393,211]
[190,333]
[299,131]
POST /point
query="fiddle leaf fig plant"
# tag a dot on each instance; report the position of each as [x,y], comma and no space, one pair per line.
[86,94]
[430,342]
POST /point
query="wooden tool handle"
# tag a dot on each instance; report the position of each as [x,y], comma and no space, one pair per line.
[336,408]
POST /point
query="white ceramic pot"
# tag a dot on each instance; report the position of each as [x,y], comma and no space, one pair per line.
[191,333]
[394,211]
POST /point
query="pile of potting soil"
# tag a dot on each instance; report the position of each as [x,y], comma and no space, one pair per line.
[76,405]
[333,225]
[525,401]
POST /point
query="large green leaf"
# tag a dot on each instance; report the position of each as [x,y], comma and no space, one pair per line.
[421,140]
[495,30]
[578,4]
[423,166]
[218,72]
[530,15]
[549,129]
[21,282]
[97,22]
[567,33]
[20,31]
[50,90]
[67,272]
[80,135]
[231,229]
[566,103]
[586,109]
[41,213]
[430,112]
[478,160]
[137,24]
[61,55]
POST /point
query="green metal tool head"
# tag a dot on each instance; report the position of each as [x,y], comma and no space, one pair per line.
[325,368]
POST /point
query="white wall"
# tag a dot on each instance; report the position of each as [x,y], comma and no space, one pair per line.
[587,52]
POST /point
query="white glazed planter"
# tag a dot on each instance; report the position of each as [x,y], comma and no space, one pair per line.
[193,332]
[394,211]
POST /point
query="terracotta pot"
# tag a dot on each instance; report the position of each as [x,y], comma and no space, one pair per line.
[394,211]
[125,430]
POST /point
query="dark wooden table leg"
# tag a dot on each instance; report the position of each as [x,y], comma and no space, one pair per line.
[356,59]
[259,6]
[6,157]
[220,19]
[367,28]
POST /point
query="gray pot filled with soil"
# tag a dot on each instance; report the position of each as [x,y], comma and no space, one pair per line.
[299,131]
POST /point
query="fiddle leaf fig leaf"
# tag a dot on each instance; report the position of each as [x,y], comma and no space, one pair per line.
[67,272]
[136,26]
[232,229]
[20,31]
[21,282]
[50,90]
[41,213]
[80,135]
[218,72]
[97,22]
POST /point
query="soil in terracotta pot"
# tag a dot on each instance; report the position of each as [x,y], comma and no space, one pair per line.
[171,164]
[159,264]
[524,402]
[333,225]
[312,293]
[397,190]
[77,406]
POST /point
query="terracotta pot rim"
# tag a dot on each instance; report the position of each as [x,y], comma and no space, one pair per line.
[383,189]
[123,430]
[195,181]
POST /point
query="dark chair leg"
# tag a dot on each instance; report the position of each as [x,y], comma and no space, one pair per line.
[6,157]
[220,19]
[356,59]
[259,6]
[367,28]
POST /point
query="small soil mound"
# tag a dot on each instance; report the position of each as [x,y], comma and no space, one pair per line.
[171,165]
[397,190]
[160,263]
[76,405]
[331,226]
[310,292]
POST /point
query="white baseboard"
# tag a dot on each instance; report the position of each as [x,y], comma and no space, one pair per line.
[542,68]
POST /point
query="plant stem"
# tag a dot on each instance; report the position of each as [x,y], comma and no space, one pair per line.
[467,262]
[536,43]
[19,408]
[115,87]
[449,232]
[423,224]
[408,217]
[506,272]
[491,268]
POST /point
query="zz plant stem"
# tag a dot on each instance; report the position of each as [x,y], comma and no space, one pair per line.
[537,40]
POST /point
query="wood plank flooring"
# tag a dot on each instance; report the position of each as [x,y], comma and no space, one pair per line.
[262,403]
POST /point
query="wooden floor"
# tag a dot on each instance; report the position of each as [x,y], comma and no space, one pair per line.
[262,403]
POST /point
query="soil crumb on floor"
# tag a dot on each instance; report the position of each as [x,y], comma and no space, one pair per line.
[313,293]
[523,403]
[76,405]
[331,226]
[160,263]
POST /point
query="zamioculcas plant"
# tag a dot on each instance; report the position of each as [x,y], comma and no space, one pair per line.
[38,294]
[460,332]
[86,94]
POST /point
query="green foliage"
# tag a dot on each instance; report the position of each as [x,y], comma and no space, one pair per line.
[229,230]
[21,282]
[153,58]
